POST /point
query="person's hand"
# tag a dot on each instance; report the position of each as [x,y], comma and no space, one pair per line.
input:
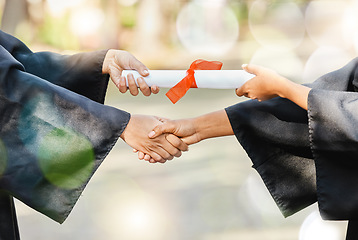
[116,61]
[194,130]
[265,85]
[180,128]
[159,149]
[184,128]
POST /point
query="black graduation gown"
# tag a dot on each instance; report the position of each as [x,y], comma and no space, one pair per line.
[54,129]
[307,156]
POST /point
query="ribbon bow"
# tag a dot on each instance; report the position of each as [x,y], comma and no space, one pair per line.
[179,90]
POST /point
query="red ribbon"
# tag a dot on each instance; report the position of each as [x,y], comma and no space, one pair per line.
[179,90]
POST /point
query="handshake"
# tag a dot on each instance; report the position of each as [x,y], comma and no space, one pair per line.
[159,139]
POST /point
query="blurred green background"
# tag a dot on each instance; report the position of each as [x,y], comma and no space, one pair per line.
[211,192]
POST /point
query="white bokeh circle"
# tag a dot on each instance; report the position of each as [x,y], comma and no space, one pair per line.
[86,21]
[325,22]
[324,60]
[314,228]
[207,27]
[260,200]
[279,24]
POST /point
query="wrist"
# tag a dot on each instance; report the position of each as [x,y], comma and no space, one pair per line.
[107,60]
[198,128]
[284,87]
[215,124]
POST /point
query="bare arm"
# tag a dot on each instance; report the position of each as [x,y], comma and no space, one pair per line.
[215,124]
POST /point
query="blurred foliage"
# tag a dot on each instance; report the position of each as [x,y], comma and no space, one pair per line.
[55,32]
[127,15]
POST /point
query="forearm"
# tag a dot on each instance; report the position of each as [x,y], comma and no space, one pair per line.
[215,124]
[295,92]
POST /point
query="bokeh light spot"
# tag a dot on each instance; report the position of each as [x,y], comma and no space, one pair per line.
[58,8]
[207,27]
[133,214]
[280,24]
[86,21]
[260,198]
[66,158]
[314,228]
[324,21]
[324,60]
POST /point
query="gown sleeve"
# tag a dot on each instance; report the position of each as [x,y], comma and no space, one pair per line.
[52,139]
[305,156]
[80,73]
[333,127]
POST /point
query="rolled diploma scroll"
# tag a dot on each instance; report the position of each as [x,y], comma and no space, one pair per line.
[219,79]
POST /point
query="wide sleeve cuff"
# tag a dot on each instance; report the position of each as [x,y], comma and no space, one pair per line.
[274,134]
[333,119]
[80,73]
[52,140]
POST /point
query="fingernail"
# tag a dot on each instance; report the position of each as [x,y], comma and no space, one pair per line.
[145,71]
[140,80]
[151,134]
[244,65]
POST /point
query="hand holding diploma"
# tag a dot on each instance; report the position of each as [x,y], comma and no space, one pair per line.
[201,74]
[265,85]
[268,84]
[118,60]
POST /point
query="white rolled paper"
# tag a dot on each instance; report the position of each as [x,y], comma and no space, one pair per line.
[219,79]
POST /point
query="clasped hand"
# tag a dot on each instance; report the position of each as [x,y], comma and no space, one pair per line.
[265,85]
[158,139]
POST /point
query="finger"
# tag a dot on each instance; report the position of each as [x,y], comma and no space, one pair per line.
[132,85]
[155,89]
[155,157]
[167,127]
[251,68]
[147,157]
[122,86]
[169,151]
[137,65]
[143,87]
[169,158]
[141,155]
[189,140]
[135,150]
[177,143]
[240,91]
[140,67]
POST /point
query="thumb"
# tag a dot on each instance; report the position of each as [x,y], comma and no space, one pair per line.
[190,140]
[140,67]
[240,91]
[162,128]
[250,68]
